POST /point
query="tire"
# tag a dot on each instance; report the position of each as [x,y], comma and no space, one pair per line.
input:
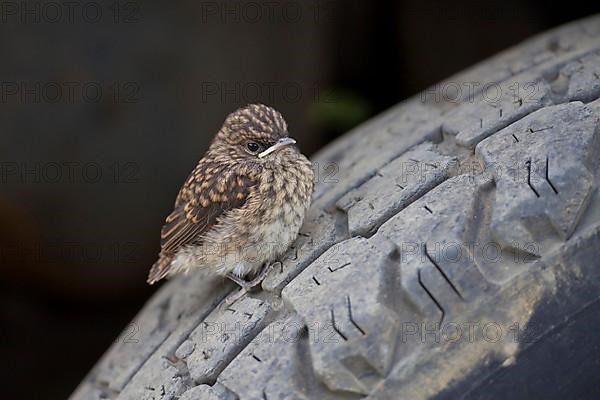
[451,251]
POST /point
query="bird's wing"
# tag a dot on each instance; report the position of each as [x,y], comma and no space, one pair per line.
[209,192]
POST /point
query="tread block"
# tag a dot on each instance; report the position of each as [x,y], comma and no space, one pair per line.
[542,167]
[561,79]
[394,187]
[343,298]
[220,336]
[163,380]
[584,78]
[548,46]
[498,106]
[268,367]
[381,140]
[438,271]
[205,392]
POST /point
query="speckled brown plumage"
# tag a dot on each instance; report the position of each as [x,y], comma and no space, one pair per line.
[243,204]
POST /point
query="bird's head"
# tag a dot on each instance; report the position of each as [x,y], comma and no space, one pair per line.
[256,133]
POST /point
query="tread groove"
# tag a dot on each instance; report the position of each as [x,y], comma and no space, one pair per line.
[335,328]
[432,297]
[528,165]
[338,268]
[548,178]
[441,271]
[352,321]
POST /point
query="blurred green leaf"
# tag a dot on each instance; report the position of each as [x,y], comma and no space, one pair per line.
[339,110]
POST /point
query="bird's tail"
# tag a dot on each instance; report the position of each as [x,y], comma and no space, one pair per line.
[159,270]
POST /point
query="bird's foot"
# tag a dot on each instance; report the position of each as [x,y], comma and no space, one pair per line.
[245,285]
[235,296]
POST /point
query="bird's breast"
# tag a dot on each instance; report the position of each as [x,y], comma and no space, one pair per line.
[285,198]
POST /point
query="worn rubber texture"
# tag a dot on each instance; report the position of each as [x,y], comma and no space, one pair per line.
[452,250]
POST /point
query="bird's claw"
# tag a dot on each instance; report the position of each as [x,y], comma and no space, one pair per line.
[246,286]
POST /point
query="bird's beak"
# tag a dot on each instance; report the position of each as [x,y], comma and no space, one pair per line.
[281,143]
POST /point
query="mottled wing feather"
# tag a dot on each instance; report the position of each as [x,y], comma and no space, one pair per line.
[209,192]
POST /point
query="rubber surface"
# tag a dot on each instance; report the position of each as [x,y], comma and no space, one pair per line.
[451,251]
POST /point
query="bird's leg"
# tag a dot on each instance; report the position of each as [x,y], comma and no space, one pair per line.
[247,285]
[235,296]
[244,284]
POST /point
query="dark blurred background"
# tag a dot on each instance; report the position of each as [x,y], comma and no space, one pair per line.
[106,106]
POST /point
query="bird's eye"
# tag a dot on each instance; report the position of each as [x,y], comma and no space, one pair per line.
[253,147]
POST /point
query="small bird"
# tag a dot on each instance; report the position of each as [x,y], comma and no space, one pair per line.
[243,204]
